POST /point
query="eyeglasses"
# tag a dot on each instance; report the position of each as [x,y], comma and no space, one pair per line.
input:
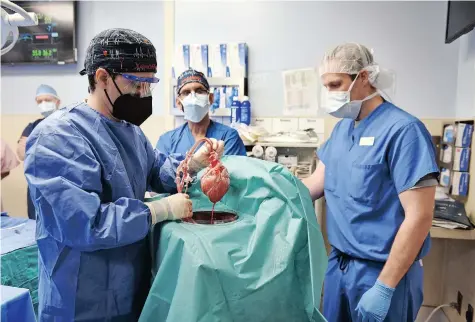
[139,86]
[199,91]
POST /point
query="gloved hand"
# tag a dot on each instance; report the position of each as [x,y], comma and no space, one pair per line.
[374,304]
[177,206]
[200,159]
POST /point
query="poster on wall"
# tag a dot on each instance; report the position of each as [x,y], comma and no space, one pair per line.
[300,92]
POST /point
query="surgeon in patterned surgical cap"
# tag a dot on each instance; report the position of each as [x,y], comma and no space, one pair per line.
[194,99]
[88,167]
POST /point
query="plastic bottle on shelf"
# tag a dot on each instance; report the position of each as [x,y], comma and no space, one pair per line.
[246,111]
[236,110]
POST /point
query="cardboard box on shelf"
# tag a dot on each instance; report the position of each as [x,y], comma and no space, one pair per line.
[199,58]
[181,60]
[237,56]
[217,60]
[461,159]
[460,183]
[463,135]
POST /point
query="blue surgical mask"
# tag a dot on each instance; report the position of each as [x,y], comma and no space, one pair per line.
[195,107]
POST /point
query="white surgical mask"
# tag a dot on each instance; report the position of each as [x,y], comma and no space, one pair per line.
[195,107]
[47,108]
[339,103]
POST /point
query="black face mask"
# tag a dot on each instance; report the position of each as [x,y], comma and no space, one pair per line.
[131,108]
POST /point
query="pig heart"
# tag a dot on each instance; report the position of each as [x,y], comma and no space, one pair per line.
[215,182]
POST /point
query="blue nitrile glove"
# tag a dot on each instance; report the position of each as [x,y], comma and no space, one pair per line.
[374,304]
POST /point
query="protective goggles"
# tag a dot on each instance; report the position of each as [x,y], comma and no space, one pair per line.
[138,86]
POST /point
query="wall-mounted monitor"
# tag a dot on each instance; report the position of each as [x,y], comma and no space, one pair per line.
[52,41]
[460,19]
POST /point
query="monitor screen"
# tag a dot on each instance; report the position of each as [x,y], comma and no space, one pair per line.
[460,19]
[52,41]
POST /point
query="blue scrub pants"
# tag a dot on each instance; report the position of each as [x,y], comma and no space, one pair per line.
[348,278]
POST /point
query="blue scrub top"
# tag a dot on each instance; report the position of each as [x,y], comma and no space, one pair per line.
[366,168]
[30,127]
[26,133]
[88,176]
[180,140]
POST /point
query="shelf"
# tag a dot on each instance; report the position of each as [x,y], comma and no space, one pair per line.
[462,199]
[444,233]
[314,145]
[452,144]
[222,81]
[218,112]
[446,165]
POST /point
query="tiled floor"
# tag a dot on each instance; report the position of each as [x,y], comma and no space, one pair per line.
[425,312]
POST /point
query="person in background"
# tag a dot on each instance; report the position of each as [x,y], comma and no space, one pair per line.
[88,166]
[378,174]
[194,99]
[9,161]
[48,101]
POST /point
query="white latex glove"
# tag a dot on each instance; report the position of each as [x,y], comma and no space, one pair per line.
[177,206]
[200,159]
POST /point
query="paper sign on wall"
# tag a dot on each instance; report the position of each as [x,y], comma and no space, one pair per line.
[300,92]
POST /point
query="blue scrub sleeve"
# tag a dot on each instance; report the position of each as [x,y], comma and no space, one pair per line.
[324,151]
[28,129]
[411,156]
[233,145]
[65,181]
[163,169]
[163,144]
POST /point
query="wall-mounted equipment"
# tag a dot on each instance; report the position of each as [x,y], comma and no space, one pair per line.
[460,19]
[52,40]
[11,21]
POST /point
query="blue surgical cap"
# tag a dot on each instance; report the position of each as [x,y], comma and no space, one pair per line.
[46,90]
[191,76]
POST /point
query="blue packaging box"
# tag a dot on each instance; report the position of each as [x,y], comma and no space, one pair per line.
[460,183]
[463,135]
[461,159]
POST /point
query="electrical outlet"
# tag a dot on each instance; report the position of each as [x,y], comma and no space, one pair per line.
[459,302]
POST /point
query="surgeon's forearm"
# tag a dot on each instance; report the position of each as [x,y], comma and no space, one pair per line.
[406,247]
[315,182]
[316,191]
[20,151]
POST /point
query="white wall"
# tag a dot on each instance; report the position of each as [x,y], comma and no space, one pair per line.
[466,77]
[407,37]
[19,83]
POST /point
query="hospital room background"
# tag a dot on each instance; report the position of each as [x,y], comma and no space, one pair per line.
[435,82]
